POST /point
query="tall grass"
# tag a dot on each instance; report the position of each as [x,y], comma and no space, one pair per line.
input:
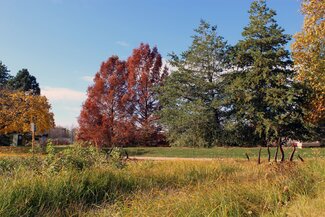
[83,183]
[239,189]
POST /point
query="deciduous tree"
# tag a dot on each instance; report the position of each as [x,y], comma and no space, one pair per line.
[103,109]
[18,110]
[145,75]
[309,55]
[121,104]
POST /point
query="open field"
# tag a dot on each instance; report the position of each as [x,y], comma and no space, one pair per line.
[216,152]
[232,188]
[82,182]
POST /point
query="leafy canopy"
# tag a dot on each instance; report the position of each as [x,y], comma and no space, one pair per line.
[309,55]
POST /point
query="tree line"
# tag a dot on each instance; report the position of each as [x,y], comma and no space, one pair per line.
[213,93]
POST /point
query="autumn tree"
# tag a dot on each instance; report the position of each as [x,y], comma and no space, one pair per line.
[18,110]
[103,111]
[192,94]
[263,92]
[145,75]
[121,104]
[309,55]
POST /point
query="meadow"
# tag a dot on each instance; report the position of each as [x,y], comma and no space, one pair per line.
[185,152]
[218,152]
[83,182]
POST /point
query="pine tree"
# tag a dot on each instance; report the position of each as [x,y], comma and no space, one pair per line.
[191,95]
[24,81]
[263,93]
[4,75]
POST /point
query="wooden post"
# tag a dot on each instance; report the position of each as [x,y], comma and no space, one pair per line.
[32,128]
[33,141]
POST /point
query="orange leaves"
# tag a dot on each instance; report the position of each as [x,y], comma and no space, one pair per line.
[18,110]
[309,52]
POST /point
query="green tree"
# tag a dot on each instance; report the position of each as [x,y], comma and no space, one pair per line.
[4,75]
[191,95]
[262,94]
[24,81]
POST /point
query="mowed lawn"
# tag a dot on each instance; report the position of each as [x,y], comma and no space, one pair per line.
[182,152]
[219,152]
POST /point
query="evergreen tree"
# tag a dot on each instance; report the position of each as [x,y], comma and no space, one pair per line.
[191,96]
[4,75]
[263,94]
[24,81]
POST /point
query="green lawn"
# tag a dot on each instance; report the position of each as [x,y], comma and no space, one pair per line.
[217,152]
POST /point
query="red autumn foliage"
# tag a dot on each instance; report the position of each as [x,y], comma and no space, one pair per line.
[145,74]
[121,104]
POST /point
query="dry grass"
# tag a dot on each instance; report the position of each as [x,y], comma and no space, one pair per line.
[229,188]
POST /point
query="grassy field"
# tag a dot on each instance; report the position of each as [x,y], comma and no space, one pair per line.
[217,152]
[83,182]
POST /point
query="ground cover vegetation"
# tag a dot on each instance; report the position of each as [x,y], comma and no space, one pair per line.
[222,152]
[213,94]
[85,182]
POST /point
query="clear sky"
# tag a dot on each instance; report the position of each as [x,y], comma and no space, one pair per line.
[63,42]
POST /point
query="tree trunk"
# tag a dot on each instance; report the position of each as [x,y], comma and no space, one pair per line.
[276,153]
[247,156]
[268,153]
[302,160]
[293,152]
[282,152]
[259,156]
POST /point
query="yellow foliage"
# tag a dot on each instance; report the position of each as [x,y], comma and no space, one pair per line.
[309,54]
[18,110]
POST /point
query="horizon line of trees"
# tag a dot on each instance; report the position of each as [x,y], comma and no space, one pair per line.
[213,94]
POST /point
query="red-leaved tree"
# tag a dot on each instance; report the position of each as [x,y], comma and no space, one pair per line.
[121,104]
[145,74]
[102,114]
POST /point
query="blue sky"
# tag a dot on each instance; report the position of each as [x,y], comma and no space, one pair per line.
[63,42]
